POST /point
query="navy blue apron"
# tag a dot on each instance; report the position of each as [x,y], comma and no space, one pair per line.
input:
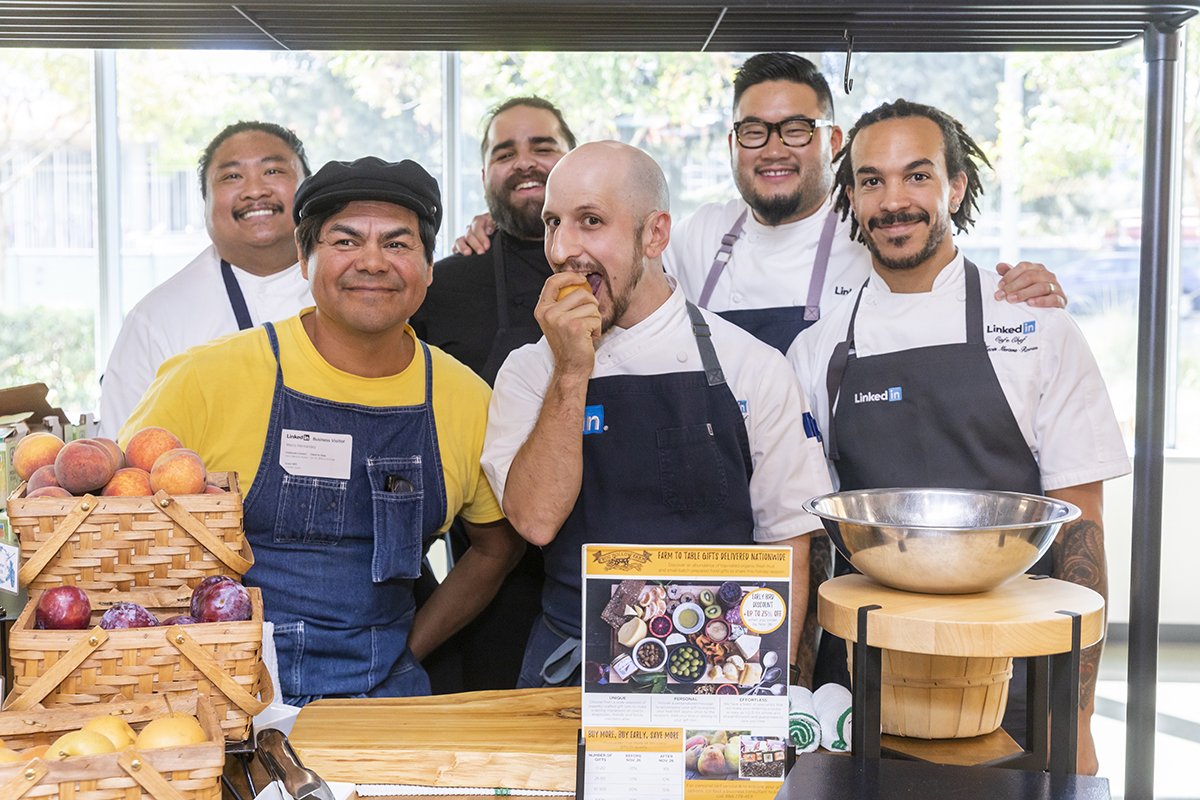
[778,326]
[666,460]
[951,428]
[237,300]
[336,559]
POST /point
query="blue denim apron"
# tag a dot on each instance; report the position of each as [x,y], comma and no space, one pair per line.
[336,559]
[671,465]
[953,429]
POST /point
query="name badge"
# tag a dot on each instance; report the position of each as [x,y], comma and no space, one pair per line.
[316,455]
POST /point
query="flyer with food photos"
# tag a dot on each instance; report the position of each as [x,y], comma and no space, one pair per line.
[685,671]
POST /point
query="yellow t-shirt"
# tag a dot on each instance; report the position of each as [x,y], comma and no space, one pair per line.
[216,398]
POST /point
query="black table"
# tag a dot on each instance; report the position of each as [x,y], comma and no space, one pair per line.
[825,776]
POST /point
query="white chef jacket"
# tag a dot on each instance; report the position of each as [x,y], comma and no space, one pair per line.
[189,308]
[770,265]
[788,466]
[1043,363]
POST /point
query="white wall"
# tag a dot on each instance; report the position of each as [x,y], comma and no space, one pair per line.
[1180,594]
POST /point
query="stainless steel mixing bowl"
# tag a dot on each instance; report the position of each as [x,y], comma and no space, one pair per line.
[941,541]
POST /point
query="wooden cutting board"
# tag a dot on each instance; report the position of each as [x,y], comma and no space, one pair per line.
[518,739]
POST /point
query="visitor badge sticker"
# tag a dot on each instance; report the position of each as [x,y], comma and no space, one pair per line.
[685,654]
[314,454]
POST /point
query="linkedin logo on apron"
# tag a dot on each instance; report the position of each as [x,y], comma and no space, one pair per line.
[593,419]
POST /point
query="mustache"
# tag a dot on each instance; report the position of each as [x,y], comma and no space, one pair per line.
[898,218]
[521,177]
[238,213]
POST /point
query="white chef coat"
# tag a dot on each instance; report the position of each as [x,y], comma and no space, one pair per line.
[788,466]
[189,308]
[770,265]
[1043,363]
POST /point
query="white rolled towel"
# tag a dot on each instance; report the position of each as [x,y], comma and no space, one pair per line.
[804,728]
[833,704]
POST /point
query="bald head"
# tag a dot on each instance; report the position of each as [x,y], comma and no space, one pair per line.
[623,173]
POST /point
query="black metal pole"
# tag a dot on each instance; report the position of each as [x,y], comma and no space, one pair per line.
[1160,230]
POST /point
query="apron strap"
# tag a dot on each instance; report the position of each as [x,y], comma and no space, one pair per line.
[565,659]
[501,280]
[708,353]
[236,299]
[812,308]
[722,258]
[974,304]
[837,368]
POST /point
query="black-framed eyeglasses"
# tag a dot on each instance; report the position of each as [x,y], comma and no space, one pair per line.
[793,131]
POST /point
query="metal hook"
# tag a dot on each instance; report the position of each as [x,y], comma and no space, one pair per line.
[847,81]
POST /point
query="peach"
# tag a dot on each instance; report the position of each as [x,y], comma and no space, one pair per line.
[213,489]
[145,446]
[34,452]
[83,467]
[43,477]
[49,491]
[117,455]
[129,482]
[179,471]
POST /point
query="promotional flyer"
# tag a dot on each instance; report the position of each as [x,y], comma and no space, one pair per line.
[685,670]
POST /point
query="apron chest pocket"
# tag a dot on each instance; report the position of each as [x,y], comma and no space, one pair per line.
[689,465]
[310,510]
[397,498]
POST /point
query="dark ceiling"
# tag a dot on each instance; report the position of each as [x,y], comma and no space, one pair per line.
[681,25]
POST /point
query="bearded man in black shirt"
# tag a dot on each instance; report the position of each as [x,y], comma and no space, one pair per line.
[479,309]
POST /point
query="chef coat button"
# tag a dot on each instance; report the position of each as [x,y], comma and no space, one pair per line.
[682,356]
[961,295]
[736,297]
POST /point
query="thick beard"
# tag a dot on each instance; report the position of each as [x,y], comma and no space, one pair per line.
[521,221]
[937,233]
[774,210]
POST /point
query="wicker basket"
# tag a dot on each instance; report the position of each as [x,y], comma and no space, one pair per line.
[220,659]
[126,543]
[190,772]
[942,697]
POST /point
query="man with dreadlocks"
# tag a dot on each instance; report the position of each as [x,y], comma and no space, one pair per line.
[925,379]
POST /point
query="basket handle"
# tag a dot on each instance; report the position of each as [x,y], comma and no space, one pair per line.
[58,673]
[50,547]
[213,671]
[203,535]
[23,781]
[147,776]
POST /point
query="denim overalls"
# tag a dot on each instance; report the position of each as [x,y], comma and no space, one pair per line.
[336,559]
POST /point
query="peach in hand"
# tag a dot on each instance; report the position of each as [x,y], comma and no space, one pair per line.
[83,467]
[147,445]
[179,471]
[34,452]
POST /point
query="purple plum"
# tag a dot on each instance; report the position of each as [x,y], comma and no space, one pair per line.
[63,608]
[203,588]
[225,601]
[127,615]
[179,619]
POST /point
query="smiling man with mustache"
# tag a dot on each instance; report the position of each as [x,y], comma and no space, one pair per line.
[355,443]
[638,419]
[923,378]
[248,175]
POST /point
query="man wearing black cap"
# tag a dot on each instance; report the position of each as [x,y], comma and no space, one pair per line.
[354,442]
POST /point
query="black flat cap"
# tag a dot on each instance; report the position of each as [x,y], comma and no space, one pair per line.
[405,183]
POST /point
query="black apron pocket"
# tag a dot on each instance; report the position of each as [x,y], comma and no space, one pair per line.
[689,465]
[310,510]
[397,498]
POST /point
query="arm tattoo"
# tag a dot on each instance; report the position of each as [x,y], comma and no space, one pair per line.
[820,568]
[1078,555]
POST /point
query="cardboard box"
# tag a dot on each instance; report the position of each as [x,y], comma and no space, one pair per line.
[25,410]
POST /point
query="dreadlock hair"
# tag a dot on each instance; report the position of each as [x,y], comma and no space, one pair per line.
[960,151]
